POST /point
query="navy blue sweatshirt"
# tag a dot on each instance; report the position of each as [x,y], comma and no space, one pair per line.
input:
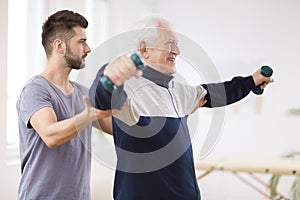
[152,141]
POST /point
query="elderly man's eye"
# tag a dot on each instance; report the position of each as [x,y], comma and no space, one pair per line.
[170,43]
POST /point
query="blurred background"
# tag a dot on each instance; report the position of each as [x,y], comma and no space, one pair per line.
[239,36]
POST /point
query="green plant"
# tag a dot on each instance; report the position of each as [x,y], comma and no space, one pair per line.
[294,111]
[294,192]
[295,189]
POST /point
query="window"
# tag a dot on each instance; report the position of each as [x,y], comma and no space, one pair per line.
[24,55]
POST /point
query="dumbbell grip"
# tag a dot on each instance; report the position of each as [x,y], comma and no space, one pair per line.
[109,85]
[267,72]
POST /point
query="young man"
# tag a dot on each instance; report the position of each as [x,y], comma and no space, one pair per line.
[153,146]
[55,117]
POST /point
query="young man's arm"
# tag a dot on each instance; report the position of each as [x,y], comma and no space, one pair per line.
[55,133]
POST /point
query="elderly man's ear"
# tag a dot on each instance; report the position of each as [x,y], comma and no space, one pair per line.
[143,50]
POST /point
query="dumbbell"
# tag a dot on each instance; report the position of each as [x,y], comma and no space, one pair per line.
[267,72]
[109,85]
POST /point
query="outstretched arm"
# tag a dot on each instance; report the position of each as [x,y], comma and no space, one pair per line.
[228,92]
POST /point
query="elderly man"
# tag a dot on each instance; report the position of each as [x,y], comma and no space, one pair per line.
[153,146]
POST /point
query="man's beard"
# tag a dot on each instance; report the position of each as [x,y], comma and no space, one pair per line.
[72,60]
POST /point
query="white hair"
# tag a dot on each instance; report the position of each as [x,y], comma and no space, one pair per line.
[150,28]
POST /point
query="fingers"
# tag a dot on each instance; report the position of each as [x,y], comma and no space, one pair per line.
[202,102]
[122,69]
[260,79]
[97,113]
[138,73]
[87,101]
[103,113]
[265,83]
[89,109]
[267,79]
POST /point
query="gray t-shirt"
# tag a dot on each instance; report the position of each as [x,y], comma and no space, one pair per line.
[60,173]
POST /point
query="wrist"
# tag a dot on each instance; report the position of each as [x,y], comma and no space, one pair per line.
[82,119]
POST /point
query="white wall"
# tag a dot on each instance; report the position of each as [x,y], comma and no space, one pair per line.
[9,174]
[7,188]
[239,36]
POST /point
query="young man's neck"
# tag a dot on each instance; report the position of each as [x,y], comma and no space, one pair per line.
[58,74]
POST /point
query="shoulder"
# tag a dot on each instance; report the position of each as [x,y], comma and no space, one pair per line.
[35,85]
[35,94]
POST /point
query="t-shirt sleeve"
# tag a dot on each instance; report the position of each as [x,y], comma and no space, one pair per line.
[33,98]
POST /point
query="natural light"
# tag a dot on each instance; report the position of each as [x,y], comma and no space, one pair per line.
[17,64]
[26,56]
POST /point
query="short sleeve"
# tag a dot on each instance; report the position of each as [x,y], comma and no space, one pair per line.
[33,98]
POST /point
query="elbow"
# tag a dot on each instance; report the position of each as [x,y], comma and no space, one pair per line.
[108,131]
[51,146]
[50,143]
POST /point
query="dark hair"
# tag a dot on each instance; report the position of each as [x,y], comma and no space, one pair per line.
[60,25]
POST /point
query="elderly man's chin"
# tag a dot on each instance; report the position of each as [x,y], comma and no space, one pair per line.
[168,69]
[172,71]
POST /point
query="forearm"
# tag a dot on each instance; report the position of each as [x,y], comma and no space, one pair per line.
[228,92]
[55,133]
[104,125]
[63,131]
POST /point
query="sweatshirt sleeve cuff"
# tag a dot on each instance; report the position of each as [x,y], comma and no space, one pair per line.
[102,99]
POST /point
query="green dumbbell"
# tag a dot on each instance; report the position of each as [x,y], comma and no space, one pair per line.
[108,84]
[267,72]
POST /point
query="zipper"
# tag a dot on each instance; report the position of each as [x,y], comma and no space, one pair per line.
[187,135]
[172,99]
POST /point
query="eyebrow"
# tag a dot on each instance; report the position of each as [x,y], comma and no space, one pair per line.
[82,39]
[173,40]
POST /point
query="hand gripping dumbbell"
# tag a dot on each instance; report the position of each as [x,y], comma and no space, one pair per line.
[267,72]
[108,84]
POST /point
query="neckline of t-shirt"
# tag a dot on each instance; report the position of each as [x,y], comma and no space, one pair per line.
[56,88]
